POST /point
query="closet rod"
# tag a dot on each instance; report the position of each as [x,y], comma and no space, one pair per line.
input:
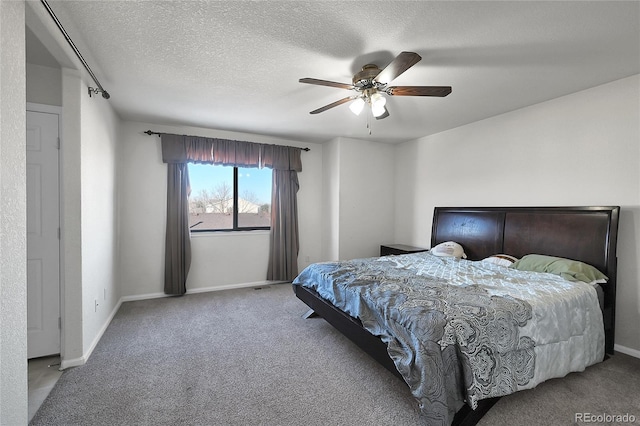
[100,89]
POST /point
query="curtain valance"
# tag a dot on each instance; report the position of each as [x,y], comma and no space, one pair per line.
[196,149]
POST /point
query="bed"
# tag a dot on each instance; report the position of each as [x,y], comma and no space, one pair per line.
[458,390]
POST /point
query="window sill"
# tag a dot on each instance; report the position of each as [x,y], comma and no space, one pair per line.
[215,234]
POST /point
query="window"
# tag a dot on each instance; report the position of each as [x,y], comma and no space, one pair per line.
[227,198]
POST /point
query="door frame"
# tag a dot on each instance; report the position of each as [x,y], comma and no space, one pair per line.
[58,110]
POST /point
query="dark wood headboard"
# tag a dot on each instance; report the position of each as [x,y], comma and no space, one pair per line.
[587,234]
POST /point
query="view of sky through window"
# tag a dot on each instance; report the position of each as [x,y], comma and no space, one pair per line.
[257,181]
[211,203]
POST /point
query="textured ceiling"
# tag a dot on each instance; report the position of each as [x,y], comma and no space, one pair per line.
[235,65]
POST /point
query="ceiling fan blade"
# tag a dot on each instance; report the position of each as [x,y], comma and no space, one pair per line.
[400,64]
[334,104]
[326,83]
[440,91]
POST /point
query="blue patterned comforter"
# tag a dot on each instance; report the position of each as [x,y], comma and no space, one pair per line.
[460,331]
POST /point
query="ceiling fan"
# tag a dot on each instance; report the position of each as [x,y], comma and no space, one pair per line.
[371,83]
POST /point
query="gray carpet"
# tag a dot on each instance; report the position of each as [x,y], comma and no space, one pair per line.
[247,357]
[238,357]
[609,388]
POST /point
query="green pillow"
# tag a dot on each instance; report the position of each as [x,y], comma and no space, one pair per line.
[568,269]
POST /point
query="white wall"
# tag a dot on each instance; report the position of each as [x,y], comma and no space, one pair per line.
[100,281]
[331,200]
[89,243]
[581,149]
[71,218]
[367,207]
[13,228]
[358,198]
[44,85]
[220,260]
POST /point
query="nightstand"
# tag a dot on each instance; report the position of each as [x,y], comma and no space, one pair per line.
[388,249]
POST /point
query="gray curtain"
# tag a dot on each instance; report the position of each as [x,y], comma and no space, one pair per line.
[178,150]
[177,258]
[283,241]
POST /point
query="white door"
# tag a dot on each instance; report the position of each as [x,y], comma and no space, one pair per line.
[43,235]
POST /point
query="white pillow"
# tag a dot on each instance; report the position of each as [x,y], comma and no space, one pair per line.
[449,249]
[501,259]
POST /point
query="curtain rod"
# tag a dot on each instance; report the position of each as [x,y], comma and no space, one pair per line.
[149,132]
[92,90]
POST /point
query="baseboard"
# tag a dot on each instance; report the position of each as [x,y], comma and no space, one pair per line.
[234,286]
[76,362]
[627,351]
[202,290]
[143,297]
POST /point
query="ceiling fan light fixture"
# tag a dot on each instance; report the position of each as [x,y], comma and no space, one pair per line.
[356,106]
[378,101]
[378,109]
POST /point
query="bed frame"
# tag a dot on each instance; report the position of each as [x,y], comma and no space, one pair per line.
[587,234]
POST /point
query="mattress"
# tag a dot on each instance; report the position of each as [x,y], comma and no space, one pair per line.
[460,331]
